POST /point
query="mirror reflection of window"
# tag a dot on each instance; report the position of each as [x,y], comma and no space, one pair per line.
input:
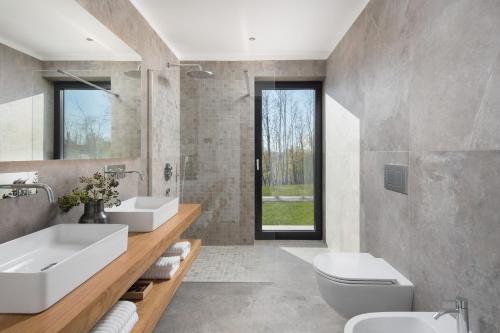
[84,118]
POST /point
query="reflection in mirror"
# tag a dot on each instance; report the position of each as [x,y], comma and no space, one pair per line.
[55,84]
[81,121]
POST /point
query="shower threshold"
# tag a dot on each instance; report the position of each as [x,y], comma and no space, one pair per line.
[285,227]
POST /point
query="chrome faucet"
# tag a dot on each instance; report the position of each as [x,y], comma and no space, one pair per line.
[119,171]
[19,186]
[141,176]
[462,314]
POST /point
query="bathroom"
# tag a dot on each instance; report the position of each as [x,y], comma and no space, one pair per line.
[401,166]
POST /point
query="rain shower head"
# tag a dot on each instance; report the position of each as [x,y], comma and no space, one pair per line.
[200,74]
[195,74]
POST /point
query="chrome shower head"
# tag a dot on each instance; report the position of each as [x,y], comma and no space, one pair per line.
[200,74]
[195,74]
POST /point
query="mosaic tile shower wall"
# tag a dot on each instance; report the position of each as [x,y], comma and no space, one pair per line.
[217,135]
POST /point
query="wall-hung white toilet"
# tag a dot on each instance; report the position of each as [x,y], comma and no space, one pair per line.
[356,283]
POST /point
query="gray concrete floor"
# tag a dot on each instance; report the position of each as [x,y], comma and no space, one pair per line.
[289,303]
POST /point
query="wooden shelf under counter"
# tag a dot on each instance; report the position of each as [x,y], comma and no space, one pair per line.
[152,307]
[83,307]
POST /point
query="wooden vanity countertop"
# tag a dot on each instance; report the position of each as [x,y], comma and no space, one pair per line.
[83,307]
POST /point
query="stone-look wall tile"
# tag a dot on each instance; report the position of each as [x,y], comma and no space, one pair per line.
[165,133]
[16,74]
[345,69]
[385,121]
[430,68]
[486,124]
[217,133]
[163,123]
[453,56]
[122,18]
[21,216]
[456,226]
[385,220]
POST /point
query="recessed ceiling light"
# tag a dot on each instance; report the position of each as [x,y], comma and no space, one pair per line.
[251,39]
[90,39]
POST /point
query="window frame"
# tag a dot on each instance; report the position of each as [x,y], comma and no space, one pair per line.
[59,88]
[317,233]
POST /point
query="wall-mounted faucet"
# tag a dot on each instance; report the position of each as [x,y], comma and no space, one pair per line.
[462,312]
[47,188]
[119,171]
[23,184]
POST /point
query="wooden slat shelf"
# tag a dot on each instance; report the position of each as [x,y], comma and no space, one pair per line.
[152,307]
[81,309]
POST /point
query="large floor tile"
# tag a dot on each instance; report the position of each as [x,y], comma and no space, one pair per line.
[290,302]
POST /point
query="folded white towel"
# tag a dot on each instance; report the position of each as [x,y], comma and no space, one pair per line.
[163,269]
[180,249]
[116,318]
[129,326]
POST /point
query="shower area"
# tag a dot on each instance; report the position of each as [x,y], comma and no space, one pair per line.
[217,141]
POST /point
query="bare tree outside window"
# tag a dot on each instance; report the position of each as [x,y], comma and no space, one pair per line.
[87,124]
[287,157]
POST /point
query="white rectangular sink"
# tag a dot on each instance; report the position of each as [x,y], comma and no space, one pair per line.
[144,214]
[39,269]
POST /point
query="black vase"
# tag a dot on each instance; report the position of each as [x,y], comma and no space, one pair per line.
[93,212]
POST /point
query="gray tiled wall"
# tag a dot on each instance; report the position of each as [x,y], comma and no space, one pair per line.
[217,133]
[423,78]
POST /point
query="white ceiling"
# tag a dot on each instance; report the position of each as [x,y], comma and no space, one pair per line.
[57,30]
[219,29]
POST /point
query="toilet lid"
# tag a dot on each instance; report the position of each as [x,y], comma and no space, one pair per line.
[355,268]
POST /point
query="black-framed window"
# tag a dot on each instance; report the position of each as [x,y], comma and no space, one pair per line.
[288,160]
[82,120]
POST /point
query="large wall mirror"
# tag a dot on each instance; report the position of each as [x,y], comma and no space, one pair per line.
[69,87]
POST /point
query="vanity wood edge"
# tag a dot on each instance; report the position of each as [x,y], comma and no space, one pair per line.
[83,307]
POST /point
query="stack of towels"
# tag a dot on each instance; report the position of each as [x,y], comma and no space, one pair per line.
[168,264]
[180,249]
[164,268]
[120,319]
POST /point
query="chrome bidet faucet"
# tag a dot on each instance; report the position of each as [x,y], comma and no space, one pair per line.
[462,312]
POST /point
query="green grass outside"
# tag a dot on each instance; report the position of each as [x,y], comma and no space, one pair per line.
[288,213]
[303,189]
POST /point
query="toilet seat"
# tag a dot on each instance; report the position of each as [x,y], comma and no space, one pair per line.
[355,283]
[355,269]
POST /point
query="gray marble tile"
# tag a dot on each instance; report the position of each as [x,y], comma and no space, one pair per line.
[486,124]
[385,220]
[290,302]
[432,66]
[385,122]
[455,230]
[345,69]
[453,55]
